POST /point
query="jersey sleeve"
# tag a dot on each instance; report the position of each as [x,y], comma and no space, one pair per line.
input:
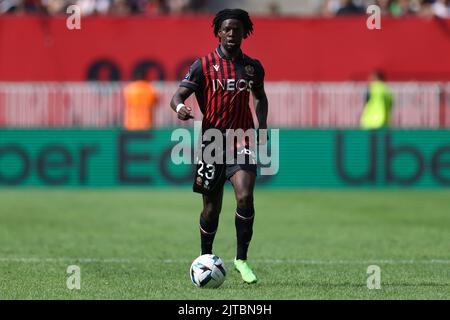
[194,79]
[259,75]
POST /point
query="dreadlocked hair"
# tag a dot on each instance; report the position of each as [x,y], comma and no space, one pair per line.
[237,14]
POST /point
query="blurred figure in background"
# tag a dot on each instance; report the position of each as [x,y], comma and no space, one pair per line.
[435,8]
[348,7]
[274,9]
[379,103]
[90,7]
[140,99]
[401,8]
[328,8]
[158,7]
[426,9]
[441,8]
[120,8]
[384,6]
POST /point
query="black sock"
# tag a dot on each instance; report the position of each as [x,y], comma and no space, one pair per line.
[207,233]
[244,230]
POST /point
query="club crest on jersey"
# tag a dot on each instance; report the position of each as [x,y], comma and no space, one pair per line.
[250,70]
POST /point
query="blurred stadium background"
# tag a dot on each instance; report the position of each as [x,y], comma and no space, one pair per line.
[61,125]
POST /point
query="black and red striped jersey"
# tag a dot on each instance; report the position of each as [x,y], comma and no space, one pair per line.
[222,87]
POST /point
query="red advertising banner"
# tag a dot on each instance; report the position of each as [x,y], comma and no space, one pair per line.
[338,49]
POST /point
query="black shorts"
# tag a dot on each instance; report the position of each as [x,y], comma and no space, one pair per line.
[209,178]
[231,169]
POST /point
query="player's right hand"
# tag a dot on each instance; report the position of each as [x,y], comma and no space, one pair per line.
[185,113]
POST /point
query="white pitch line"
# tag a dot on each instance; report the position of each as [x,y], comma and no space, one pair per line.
[176,261]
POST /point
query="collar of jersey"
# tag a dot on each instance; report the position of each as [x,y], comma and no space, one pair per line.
[222,56]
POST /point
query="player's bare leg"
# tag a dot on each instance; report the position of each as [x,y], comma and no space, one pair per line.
[209,220]
[244,183]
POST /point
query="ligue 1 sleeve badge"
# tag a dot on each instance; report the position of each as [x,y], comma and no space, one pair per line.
[250,70]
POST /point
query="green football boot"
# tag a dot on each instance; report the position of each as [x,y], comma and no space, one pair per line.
[245,271]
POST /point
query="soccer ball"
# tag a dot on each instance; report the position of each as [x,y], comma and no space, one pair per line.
[207,271]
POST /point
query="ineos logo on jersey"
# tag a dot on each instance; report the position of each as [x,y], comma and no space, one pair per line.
[232,84]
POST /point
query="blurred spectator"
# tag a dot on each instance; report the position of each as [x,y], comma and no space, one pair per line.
[188,6]
[401,8]
[120,7]
[89,7]
[379,102]
[197,5]
[385,6]
[426,9]
[329,7]
[137,6]
[20,6]
[33,6]
[53,7]
[125,7]
[274,9]
[9,6]
[158,7]
[348,7]
[441,8]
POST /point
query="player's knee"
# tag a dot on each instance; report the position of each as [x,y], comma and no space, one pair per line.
[210,213]
[244,199]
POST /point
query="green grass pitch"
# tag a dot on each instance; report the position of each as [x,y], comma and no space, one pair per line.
[307,244]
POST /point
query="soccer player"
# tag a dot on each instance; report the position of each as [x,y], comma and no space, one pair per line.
[222,81]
